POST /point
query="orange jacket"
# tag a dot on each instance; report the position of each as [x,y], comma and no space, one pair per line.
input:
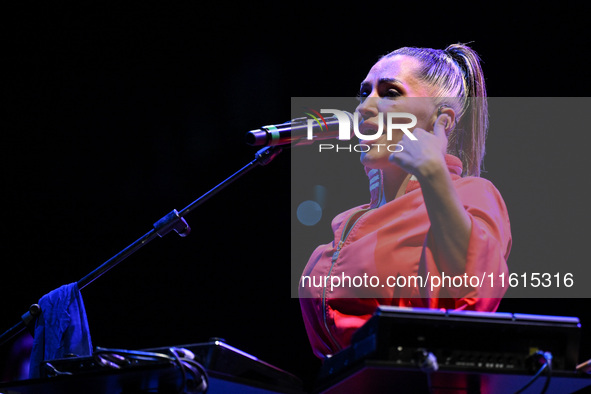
[386,258]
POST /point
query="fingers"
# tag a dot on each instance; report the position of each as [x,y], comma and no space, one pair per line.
[442,125]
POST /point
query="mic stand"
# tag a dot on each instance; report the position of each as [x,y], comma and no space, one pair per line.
[172,221]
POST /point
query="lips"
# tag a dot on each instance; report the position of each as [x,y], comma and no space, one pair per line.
[368,128]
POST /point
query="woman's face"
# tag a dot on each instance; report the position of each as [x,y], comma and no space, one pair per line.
[392,86]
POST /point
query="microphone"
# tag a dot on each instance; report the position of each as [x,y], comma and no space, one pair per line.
[304,131]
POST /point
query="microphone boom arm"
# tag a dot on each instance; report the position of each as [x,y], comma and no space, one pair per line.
[172,221]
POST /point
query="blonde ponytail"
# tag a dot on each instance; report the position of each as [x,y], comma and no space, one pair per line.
[455,74]
[473,127]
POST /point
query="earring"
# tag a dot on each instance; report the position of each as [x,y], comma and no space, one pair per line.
[440,109]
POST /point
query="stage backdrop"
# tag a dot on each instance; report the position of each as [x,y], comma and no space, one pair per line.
[119,113]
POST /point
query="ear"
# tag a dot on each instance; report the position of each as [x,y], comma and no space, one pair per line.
[449,111]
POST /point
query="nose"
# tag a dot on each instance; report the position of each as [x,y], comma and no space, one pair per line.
[368,107]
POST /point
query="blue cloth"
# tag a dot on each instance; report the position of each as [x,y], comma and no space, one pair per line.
[61,329]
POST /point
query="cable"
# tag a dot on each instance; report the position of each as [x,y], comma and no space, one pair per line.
[201,375]
[427,362]
[55,371]
[183,372]
[183,358]
[546,358]
[187,364]
[122,357]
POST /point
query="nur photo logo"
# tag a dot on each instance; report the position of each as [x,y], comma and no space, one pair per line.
[349,127]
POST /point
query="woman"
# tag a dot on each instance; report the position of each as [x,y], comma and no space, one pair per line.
[431,218]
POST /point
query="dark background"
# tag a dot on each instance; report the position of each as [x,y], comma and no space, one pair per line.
[116,113]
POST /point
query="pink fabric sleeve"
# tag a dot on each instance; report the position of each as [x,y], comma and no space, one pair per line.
[488,249]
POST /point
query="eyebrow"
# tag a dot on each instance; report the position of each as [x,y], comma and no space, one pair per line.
[383,80]
[389,80]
